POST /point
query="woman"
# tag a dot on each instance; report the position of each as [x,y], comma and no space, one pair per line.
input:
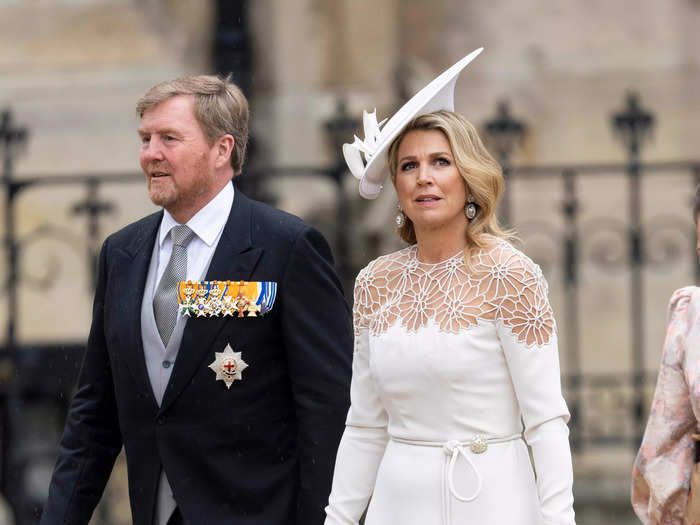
[455,343]
[661,475]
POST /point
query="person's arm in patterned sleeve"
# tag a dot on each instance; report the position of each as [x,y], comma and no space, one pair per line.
[527,332]
[660,478]
[365,437]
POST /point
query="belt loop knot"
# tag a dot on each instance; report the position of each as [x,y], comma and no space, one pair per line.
[451,447]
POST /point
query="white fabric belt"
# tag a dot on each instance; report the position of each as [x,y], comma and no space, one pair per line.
[453,448]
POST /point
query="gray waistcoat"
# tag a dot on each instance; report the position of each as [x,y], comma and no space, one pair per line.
[159,363]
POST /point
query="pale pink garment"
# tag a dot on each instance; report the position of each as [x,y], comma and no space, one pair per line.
[661,474]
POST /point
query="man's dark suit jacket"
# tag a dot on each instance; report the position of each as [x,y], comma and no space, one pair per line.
[261,452]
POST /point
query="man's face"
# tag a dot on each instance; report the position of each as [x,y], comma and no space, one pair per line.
[176,158]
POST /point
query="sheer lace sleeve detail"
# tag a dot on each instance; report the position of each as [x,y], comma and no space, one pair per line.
[501,283]
[359,309]
[369,295]
[379,288]
[519,293]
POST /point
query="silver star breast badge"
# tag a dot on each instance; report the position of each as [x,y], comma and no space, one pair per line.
[228,366]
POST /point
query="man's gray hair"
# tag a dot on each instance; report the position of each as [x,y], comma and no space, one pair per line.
[219,106]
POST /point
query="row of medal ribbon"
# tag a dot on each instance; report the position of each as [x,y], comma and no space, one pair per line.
[226,298]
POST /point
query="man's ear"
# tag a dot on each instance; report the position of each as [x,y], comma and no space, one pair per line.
[224,150]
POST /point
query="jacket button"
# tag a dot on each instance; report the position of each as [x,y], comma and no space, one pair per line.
[160,420]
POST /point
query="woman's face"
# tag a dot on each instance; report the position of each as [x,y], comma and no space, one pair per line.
[431,191]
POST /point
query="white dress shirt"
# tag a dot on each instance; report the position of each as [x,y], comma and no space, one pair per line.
[207,224]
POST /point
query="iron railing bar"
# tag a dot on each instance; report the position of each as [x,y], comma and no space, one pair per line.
[622,379]
[517,171]
[130,177]
[603,169]
[83,179]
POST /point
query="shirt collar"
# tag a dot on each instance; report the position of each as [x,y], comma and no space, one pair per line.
[208,222]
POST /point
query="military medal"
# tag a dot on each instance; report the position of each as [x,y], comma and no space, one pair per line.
[241,302]
[227,308]
[226,298]
[215,303]
[228,366]
[200,304]
[186,298]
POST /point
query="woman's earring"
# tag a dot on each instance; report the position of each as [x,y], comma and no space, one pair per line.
[470,208]
[400,218]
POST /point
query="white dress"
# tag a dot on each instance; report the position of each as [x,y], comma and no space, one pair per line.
[453,366]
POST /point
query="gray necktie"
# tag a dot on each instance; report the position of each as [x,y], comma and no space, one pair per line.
[165,302]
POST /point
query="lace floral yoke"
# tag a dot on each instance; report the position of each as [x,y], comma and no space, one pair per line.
[502,285]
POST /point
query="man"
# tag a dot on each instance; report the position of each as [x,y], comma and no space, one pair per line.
[229,400]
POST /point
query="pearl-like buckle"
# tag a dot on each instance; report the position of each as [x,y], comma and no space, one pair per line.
[478,445]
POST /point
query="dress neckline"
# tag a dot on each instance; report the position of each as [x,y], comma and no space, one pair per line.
[414,255]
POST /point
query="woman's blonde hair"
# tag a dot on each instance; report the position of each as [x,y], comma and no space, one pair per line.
[479,169]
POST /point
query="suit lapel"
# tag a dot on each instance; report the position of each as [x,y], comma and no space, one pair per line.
[235,259]
[132,269]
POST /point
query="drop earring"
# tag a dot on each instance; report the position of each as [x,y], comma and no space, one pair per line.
[400,218]
[470,208]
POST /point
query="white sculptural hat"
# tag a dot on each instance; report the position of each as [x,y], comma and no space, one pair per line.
[372,172]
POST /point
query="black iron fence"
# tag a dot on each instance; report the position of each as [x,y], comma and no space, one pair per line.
[608,409]
[611,408]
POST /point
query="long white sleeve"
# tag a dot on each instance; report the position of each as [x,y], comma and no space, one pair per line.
[552,456]
[528,336]
[362,446]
